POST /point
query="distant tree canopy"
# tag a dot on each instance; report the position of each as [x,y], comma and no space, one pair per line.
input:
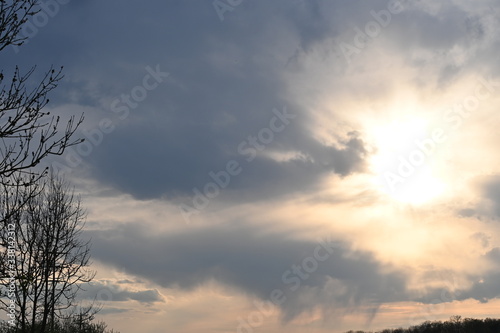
[455,325]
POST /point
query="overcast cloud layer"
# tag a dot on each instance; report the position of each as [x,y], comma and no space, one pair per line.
[222,145]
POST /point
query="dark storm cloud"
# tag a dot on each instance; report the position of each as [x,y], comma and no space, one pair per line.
[254,262]
[224,80]
[179,166]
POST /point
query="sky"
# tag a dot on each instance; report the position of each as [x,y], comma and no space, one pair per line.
[285,165]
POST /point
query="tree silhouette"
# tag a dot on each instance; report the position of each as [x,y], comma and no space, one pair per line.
[51,261]
[28,134]
[41,250]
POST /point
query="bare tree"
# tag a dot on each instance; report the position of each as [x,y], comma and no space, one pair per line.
[13,15]
[52,261]
[28,134]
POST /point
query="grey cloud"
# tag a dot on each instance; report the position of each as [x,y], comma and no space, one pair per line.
[179,166]
[445,39]
[436,31]
[487,286]
[252,261]
[466,212]
[482,238]
[491,190]
[257,263]
[108,291]
[484,287]
[225,80]
[489,198]
[109,310]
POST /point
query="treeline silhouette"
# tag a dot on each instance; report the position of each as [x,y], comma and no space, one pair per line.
[455,325]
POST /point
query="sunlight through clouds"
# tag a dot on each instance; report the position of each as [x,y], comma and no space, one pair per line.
[225,140]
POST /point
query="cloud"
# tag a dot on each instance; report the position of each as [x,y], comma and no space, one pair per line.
[180,165]
[255,263]
[225,79]
[224,83]
[110,310]
[491,191]
[109,291]
[488,198]
[482,287]
[482,238]
[487,286]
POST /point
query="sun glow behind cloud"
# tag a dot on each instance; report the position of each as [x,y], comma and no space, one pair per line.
[325,174]
[403,160]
